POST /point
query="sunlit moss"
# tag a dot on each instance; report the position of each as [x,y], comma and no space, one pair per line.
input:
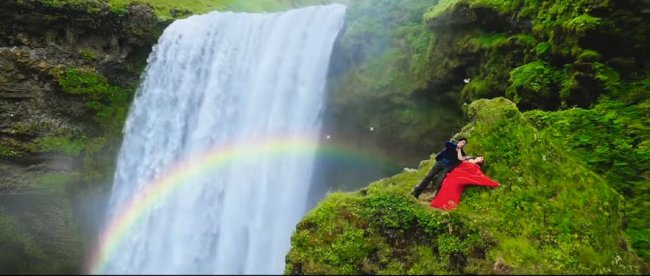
[613,139]
[164,9]
[535,84]
[544,218]
[58,144]
[490,40]
[7,151]
[56,183]
[109,102]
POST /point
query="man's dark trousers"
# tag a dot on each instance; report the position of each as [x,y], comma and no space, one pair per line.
[439,167]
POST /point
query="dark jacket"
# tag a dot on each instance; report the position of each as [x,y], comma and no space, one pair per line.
[448,156]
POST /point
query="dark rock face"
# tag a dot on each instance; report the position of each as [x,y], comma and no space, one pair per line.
[29,95]
[51,144]
[36,40]
[33,24]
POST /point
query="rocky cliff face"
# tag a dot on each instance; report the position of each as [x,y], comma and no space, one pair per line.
[41,118]
[66,77]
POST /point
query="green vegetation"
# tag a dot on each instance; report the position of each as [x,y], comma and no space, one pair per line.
[108,101]
[613,139]
[61,144]
[546,217]
[40,240]
[164,9]
[274,5]
[561,42]
[87,54]
[168,9]
[490,41]
[439,8]
[381,70]
[478,89]
[7,151]
[91,6]
[535,84]
[171,9]
[56,182]
[561,61]
[16,245]
[573,168]
[109,105]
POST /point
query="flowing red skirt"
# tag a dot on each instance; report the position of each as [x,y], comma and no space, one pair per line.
[454,184]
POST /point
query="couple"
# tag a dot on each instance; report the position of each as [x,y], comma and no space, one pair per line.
[456,170]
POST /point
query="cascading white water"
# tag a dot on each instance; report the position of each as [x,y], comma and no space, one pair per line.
[217,79]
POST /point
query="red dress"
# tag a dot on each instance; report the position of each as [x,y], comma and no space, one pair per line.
[453,185]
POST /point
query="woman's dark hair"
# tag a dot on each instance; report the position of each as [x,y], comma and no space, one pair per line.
[462,139]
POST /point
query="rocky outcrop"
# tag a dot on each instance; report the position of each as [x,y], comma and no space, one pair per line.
[485,42]
[549,215]
[54,140]
[37,42]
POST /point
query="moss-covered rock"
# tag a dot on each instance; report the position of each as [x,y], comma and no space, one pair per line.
[551,214]
[572,38]
[67,73]
[379,77]
[613,139]
[535,85]
[570,54]
[69,70]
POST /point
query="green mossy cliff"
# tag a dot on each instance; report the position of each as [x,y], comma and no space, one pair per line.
[541,54]
[579,72]
[586,58]
[551,214]
[379,78]
[67,74]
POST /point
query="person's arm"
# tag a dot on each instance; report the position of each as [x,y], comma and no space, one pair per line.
[459,154]
[465,157]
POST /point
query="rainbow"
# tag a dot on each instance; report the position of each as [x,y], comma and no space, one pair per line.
[183,172]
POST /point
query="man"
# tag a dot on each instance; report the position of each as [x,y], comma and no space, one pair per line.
[446,161]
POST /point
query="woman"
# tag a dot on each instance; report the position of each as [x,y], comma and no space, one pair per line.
[467,173]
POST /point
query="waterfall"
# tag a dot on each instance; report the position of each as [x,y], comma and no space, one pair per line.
[217,79]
